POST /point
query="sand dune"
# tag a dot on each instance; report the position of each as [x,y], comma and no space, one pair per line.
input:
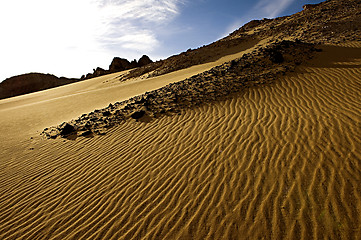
[277,161]
[22,116]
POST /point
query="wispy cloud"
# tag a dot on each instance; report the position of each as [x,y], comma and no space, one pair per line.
[132,24]
[71,37]
[149,10]
[261,9]
[272,8]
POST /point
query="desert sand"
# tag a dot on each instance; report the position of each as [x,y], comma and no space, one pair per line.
[278,160]
[260,142]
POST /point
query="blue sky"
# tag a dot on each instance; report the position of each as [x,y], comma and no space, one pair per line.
[71,37]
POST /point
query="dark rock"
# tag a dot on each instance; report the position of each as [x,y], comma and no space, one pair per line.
[119,64]
[67,129]
[133,64]
[106,113]
[138,114]
[144,60]
[86,133]
[99,72]
[276,57]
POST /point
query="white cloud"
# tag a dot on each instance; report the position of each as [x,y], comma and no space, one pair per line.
[71,37]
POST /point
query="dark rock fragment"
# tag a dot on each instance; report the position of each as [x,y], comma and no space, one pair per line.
[137,114]
[67,129]
[86,133]
[276,57]
[106,114]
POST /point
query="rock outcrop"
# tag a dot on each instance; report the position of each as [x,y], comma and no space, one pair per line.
[258,67]
[31,82]
[144,60]
[119,64]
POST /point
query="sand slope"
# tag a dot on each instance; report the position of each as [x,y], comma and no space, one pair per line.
[278,161]
[23,116]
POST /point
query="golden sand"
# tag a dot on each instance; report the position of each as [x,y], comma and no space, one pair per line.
[277,161]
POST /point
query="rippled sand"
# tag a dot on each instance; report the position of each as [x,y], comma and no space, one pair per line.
[277,161]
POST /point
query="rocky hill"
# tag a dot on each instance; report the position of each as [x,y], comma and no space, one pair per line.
[329,22]
[31,82]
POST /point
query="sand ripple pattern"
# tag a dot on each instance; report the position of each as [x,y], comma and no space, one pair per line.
[281,161]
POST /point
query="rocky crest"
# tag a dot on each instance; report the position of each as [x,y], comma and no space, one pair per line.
[260,66]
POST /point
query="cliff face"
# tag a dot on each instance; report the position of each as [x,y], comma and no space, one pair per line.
[30,82]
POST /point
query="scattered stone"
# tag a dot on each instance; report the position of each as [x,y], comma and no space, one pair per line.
[219,82]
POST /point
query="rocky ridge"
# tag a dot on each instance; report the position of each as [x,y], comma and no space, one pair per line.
[260,66]
[291,41]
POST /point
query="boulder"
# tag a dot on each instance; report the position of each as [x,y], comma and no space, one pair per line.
[66,130]
[138,114]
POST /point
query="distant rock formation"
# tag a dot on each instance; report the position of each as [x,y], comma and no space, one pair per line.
[120,64]
[31,82]
[117,65]
[99,72]
[144,60]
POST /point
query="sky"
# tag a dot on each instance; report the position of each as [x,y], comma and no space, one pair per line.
[72,37]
